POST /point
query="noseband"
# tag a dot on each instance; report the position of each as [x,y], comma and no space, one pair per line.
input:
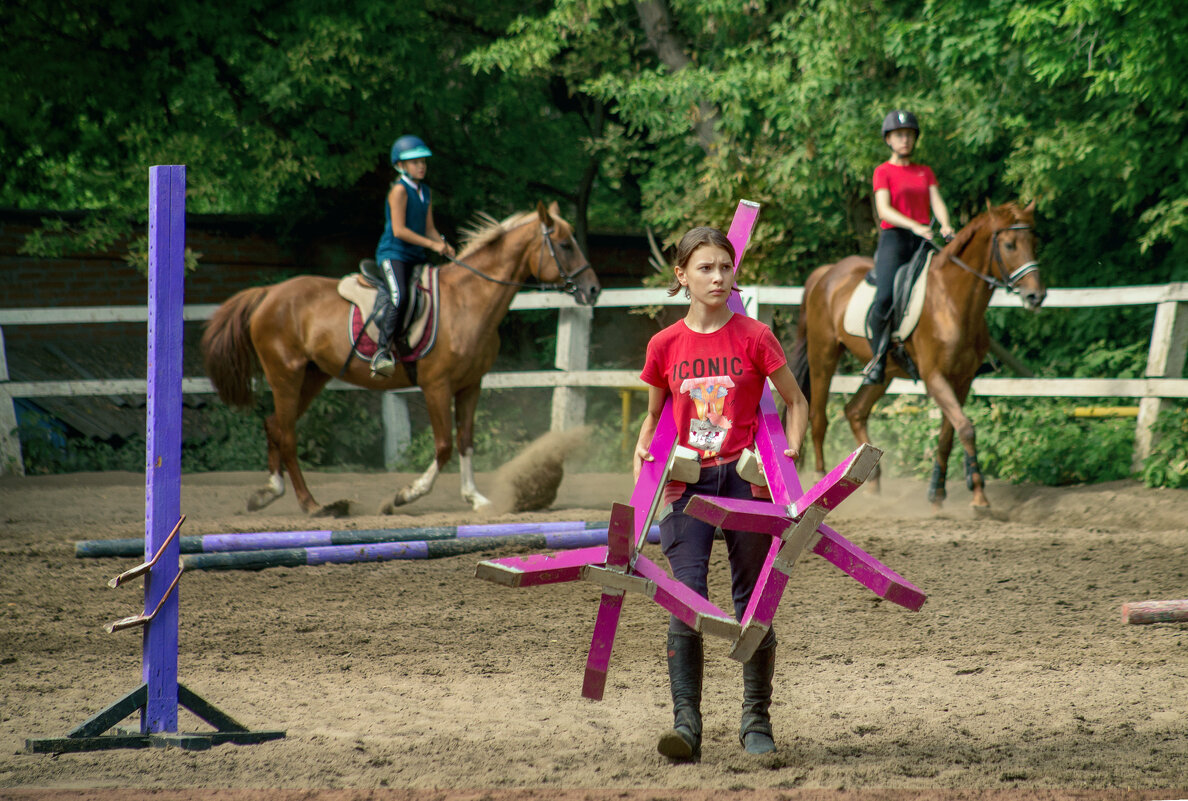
[1027,267]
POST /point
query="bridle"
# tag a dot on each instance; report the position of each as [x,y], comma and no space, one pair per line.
[567,284]
[1008,282]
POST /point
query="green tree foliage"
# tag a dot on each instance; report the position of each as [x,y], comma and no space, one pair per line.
[637,112]
[281,109]
[1079,104]
[657,112]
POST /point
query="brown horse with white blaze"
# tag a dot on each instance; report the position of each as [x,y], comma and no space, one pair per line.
[995,250]
[295,332]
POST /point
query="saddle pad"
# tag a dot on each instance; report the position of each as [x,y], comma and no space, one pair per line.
[422,332]
[858,308]
[362,296]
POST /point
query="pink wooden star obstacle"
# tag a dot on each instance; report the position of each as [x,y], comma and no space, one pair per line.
[793,519]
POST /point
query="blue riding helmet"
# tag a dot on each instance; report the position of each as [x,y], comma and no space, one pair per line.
[409,147]
[900,119]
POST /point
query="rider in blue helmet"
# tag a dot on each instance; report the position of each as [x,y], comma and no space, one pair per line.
[906,194]
[408,233]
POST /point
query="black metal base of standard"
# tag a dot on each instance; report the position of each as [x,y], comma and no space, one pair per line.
[90,735]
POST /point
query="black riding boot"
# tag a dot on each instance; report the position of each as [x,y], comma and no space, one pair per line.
[755,731]
[382,363]
[875,371]
[685,663]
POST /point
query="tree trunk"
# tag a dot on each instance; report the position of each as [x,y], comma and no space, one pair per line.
[669,47]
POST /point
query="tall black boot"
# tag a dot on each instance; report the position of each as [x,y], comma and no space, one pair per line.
[755,730]
[382,363]
[685,665]
[875,371]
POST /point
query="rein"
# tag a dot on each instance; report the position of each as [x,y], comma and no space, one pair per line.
[567,285]
[1008,282]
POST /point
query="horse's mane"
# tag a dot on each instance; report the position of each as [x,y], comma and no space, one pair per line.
[485,229]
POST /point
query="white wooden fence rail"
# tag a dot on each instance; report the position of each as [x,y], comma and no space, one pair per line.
[1162,379]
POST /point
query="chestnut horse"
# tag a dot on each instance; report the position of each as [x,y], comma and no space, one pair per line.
[296,332]
[995,250]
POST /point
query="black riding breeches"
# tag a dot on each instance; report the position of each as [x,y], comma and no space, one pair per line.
[395,289]
[896,248]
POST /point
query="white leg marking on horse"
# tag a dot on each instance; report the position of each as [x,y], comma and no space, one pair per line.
[470,492]
[268,493]
[422,485]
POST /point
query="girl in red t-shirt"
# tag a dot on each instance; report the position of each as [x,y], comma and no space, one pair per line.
[906,198]
[714,364]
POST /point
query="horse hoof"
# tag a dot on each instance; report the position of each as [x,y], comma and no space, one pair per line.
[261,498]
[981,510]
[337,509]
[390,507]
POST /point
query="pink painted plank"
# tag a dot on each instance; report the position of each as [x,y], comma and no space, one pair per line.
[541,568]
[675,596]
[746,214]
[765,598]
[841,482]
[770,441]
[619,539]
[648,488]
[782,479]
[868,571]
[601,644]
[762,517]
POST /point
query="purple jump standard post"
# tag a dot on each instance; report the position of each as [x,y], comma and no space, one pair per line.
[157,698]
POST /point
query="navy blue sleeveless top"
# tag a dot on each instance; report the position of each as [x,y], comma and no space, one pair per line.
[415,214]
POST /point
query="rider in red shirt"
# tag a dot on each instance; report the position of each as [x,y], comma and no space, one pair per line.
[906,197]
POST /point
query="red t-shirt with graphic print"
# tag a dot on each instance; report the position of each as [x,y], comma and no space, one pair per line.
[908,186]
[716,381]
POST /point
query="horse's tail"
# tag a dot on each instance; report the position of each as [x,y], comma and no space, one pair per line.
[798,360]
[227,351]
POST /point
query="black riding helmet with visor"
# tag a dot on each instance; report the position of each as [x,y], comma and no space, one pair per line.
[900,119]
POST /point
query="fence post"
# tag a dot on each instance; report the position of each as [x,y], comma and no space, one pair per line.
[397,429]
[1165,359]
[573,353]
[10,440]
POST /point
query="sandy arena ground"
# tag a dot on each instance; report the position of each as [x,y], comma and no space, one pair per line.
[1017,677]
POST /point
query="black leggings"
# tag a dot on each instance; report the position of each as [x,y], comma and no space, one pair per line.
[687,542]
[395,287]
[896,247]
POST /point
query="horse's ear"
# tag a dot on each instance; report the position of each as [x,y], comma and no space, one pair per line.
[988,206]
[554,209]
[542,213]
[1030,207]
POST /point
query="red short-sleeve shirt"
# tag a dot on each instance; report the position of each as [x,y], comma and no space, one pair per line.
[716,381]
[908,186]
